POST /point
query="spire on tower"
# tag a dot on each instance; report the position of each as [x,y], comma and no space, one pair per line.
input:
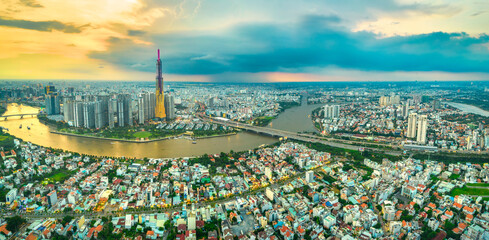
[158,54]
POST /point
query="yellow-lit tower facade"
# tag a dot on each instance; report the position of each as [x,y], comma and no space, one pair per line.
[160,97]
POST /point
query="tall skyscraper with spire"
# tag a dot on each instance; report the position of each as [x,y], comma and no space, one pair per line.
[160,97]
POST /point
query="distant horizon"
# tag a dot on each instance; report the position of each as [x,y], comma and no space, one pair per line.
[242,82]
[245,41]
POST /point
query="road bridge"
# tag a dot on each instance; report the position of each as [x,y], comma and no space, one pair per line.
[340,143]
[21,115]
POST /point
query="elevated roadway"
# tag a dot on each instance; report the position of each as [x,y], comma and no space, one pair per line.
[21,115]
[340,143]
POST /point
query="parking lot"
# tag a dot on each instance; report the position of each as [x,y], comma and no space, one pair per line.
[246,225]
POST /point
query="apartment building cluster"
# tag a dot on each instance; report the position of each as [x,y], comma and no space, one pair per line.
[112,110]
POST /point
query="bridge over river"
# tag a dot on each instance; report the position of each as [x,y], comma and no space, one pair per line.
[21,115]
[340,143]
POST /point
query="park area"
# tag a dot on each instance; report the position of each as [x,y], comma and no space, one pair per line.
[142,134]
[473,189]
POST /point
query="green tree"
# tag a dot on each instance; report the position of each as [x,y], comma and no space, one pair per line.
[14,223]
[66,220]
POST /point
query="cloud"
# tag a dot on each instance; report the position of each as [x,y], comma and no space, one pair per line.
[477,13]
[44,26]
[135,32]
[31,3]
[314,43]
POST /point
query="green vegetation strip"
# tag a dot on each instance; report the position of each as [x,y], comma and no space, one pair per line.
[478,184]
[142,134]
[470,191]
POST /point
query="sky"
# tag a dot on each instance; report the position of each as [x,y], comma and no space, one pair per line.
[245,41]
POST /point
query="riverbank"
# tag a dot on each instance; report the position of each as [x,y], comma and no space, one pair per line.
[139,141]
[47,122]
[220,135]
[264,121]
[469,108]
[40,134]
[114,139]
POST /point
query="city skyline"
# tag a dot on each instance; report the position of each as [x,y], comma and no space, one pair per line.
[248,161]
[224,41]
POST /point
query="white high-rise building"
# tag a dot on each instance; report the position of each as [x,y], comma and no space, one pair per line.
[78,114]
[128,223]
[89,114]
[309,176]
[395,99]
[384,101]
[405,110]
[11,195]
[268,172]
[146,107]
[269,193]
[72,197]
[331,111]
[191,221]
[170,107]
[52,198]
[102,111]
[422,126]
[411,130]
[389,100]
[141,110]
[68,109]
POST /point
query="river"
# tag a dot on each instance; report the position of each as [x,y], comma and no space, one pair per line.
[296,119]
[40,134]
[293,119]
[469,108]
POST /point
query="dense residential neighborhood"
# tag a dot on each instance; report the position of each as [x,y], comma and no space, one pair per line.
[282,191]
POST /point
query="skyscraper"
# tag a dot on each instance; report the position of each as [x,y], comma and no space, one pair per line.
[101,111]
[52,198]
[170,107]
[411,131]
[52,104]
[89,114]
[146,107]
[141,109]
[50,89]
[310,176]
[112,112]
[124,110]
[160,97]
[78,114]
[405,110]
[68,109]
[422,126]
[331,111]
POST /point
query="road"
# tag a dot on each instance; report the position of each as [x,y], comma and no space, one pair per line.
[334,142]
